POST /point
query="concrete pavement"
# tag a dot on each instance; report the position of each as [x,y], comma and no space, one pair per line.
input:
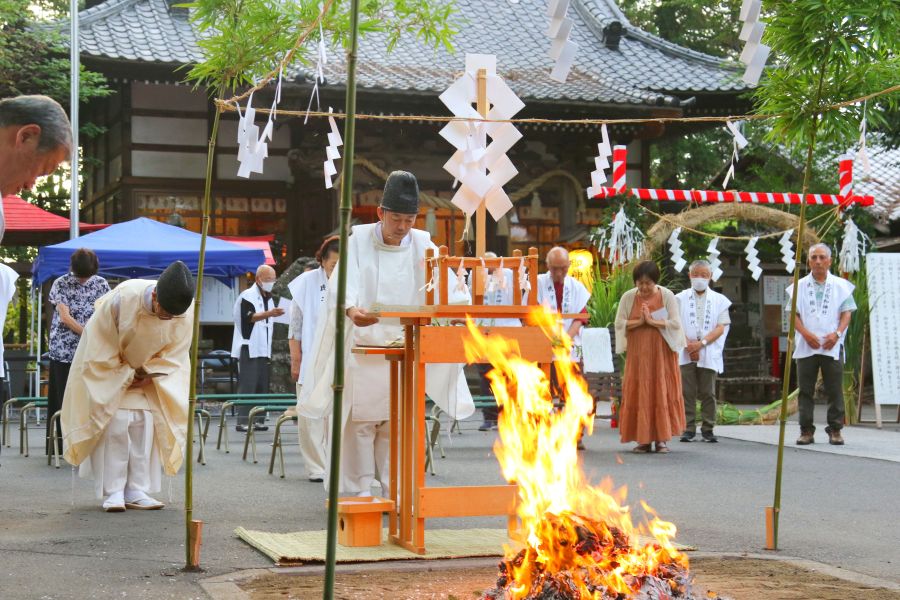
[837,509]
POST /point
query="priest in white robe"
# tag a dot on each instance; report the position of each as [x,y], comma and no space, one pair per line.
[564,294]
[704,316]
[385,265]
[824,307]
[125,409]
[309,293]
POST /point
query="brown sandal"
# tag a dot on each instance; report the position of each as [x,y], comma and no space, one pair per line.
[641,449]
[662,448]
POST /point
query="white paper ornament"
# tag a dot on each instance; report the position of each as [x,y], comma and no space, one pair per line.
[753,258]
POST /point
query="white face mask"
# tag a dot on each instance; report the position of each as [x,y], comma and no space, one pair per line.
[267,285]
[699,283]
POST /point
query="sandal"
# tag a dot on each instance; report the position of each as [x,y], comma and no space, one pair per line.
[641,449]
[662,448]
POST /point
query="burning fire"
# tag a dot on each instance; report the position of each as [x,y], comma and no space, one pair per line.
[579,538]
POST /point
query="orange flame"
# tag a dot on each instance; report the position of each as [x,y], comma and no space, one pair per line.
[537,449]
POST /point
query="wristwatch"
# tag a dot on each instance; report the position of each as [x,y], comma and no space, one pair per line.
[703,342]
[840,334]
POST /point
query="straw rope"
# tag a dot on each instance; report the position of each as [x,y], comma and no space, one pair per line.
[230,106]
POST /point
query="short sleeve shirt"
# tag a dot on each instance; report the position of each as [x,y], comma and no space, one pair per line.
[80,299]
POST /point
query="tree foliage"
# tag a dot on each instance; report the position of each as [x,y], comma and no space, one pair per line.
[825,52]
[243,40]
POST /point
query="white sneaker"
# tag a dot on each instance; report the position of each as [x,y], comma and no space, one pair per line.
[141,501]
[114,503]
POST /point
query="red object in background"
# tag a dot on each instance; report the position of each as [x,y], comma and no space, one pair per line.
[614,417]
[258,242]
[776,358]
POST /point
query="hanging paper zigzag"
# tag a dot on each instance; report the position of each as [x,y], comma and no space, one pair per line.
[331,151]
[621,241]
[562,50]
[787,250]
[739,143]
[524,282]
[601,164]
[753,258]
[861,154]
[253,147]
[755,53]
[321,61]
[853,246]
[713,258]
[481,168]
[675,249]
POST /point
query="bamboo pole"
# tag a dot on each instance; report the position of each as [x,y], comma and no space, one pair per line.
[346,191]
[192,528]
[772,525]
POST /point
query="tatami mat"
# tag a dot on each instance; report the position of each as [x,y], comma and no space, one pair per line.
[291,549]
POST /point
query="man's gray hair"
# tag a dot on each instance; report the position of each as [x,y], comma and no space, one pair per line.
[700,264]
[819,245]
[43,111]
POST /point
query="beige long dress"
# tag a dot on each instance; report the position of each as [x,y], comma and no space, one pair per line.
[652,407]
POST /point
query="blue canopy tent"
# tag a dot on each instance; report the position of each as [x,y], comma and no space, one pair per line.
[144,248]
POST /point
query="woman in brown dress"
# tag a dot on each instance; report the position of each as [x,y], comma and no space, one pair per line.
[648,326]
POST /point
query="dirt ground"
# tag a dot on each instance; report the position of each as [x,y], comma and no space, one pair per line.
[733,578]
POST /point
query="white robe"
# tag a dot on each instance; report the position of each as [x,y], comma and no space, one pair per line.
[259,344]
[574,300]
[376,274]
[711,355]
[309,291]
[819,318]
[499,296]
[8,279]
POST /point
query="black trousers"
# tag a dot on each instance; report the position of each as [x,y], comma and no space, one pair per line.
[253,378]
[833,377]
[56,388]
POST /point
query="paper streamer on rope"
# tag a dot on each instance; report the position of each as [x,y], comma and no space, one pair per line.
[253,146]
[562,50]
[853,247]
[601,163]
[524,282]
[787,251]
[675,249]
[713,258]
[331,151]
[321,61]
[481,168]
[861,154]
[621,241]
[755,53]
[461,286]
[739,142]
[753,258]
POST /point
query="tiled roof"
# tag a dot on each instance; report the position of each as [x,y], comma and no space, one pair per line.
[883,182]
[643,70]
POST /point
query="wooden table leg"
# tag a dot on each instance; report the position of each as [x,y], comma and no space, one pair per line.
[395,471]
[407,481]
[418,421]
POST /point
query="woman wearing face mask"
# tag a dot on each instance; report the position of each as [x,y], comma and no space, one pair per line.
[252,341]
[648,326]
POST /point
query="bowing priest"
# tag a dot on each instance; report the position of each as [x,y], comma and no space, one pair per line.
[309,292]
[704,316]
[386,266]
[125,409]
